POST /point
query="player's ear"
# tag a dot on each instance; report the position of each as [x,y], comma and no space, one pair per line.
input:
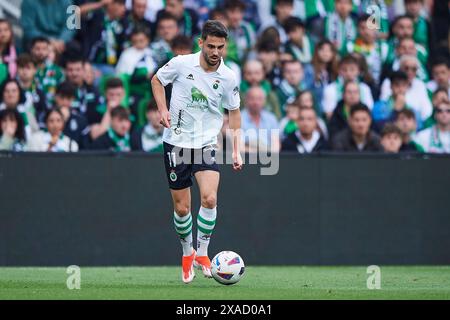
[200,42]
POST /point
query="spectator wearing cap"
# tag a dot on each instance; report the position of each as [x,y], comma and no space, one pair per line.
[53,138]
[242,32]
[416,95]
[187,19]
[75,124]
[406,121]
[87,96]
[106,36]
[436,139]
[149,137]
[349,70]
[117,136]
[48,19]
[357,137]
[307,138]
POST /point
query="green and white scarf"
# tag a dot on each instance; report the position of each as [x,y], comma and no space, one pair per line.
[111,28]
[120,143]
[342,33]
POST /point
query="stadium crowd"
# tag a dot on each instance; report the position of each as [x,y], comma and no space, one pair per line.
[343,75]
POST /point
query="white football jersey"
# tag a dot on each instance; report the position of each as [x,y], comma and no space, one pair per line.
[197,96]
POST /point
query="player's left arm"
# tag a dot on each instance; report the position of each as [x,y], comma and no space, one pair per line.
[231,101]
[234,117]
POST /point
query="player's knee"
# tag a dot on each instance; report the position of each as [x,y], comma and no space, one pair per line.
[209,201]
[182,209]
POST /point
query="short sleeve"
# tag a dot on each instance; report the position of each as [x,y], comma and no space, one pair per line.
[231,98]
[168,73]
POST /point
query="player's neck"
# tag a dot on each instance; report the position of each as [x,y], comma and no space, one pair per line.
[206,67]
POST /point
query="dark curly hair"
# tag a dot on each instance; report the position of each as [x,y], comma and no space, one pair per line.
[13,114]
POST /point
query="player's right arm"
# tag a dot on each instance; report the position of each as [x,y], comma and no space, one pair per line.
[160,98]
[165,75]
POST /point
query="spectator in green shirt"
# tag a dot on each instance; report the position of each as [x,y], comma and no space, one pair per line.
[49,75]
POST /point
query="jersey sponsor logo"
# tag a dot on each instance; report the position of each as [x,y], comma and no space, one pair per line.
[199,100]
[190,77]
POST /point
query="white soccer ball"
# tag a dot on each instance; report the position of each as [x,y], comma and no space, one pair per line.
[227,267]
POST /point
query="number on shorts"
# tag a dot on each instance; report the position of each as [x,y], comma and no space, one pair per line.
[172,159]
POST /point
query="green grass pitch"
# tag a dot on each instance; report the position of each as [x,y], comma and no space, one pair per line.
[277,283]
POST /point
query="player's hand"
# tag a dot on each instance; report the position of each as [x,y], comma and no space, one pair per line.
[237,161]
[165,118]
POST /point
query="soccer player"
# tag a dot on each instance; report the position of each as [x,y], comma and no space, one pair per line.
[202,85]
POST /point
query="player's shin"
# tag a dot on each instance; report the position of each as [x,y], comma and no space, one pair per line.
[183,227]
[206,221]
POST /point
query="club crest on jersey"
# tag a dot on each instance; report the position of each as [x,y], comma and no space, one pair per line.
[216,84]
[199,100]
